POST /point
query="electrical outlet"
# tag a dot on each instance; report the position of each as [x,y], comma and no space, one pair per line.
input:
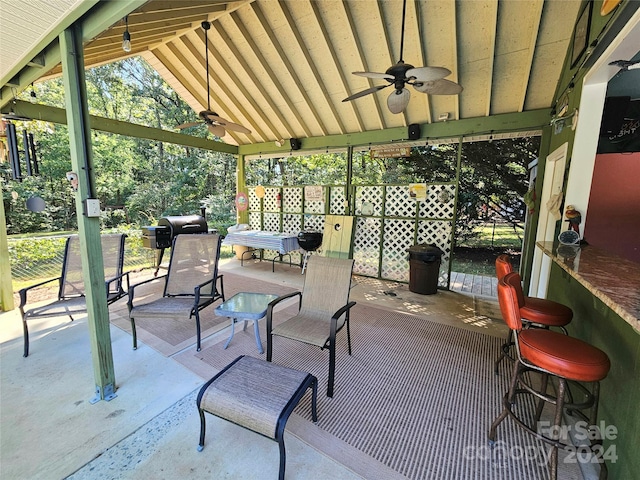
[92,207]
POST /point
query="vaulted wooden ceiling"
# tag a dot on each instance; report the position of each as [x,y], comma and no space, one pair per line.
[282,68]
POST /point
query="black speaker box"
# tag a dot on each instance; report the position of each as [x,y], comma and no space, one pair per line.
[414,131]
[295,143]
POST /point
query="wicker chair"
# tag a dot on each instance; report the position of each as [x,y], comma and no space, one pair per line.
[191,284]
[71,293]
[324,308]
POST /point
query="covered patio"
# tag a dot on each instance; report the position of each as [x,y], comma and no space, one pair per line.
[151,429]
[281,70]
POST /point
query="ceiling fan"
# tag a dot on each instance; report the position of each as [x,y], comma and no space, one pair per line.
[429,80]
[626,64]
[215,123]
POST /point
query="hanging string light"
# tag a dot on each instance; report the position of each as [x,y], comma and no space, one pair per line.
[126,36]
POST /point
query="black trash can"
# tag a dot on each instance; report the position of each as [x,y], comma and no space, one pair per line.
[424,268]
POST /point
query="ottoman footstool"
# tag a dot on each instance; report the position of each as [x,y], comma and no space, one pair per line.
[257,395]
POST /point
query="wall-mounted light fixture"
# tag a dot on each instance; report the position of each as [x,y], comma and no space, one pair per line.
[126,36]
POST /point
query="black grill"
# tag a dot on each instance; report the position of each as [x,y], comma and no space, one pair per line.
[309,241]
[162,235]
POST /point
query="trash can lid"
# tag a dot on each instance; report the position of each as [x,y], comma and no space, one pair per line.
[427,249]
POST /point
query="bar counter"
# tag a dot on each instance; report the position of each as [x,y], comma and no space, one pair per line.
[612,279]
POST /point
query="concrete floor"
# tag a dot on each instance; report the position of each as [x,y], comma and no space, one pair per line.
[50,430]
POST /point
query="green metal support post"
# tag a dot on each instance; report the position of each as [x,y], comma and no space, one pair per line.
[452,240]
[349,179]
[88,226]
[6,291]
[241,186]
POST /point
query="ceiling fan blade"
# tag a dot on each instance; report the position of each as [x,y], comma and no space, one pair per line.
[236,128]
[365,92]
[438,87]
[227,124]
[217,130]
[187,125]
[427,74]
[398,100]
[385,76]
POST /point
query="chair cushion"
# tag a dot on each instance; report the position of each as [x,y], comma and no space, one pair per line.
[563,356]
[165,307]
[307,328]
[253,393]
[68,306]
[545,312]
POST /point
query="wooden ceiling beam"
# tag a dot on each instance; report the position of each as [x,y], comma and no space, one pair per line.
[422,54]
[273,78]
[363,61]
[336,62]
[249,77]
[536,17]
[241,107]
[290,70]
[312,66]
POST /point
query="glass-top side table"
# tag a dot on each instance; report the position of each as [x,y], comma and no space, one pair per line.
[245,306]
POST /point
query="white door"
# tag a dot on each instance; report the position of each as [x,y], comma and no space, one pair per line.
[552,185]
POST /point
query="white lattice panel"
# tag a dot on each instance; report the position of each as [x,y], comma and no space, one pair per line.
[398,237]
[315,206]
[269,202]
[366,246]
[438,233]
[292,199]
[254,201]
[314,223]
[369,200]
[398,203]
[440,202]
[271,222]
[255,220]
[291,223]
[337,201]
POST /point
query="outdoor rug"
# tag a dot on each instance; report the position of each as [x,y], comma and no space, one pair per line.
[416,397]
[169,336]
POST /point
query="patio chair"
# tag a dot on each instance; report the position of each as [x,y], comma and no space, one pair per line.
[323,309]
[191,284]
[71,290]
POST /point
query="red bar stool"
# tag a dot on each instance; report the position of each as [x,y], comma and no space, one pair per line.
[555,356]
[536,312]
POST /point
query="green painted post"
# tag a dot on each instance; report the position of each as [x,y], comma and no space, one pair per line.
[6,290]
[241,186]
[455,209]
[348,183]
[88,227]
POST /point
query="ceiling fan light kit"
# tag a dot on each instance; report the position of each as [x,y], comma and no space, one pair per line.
[429,80]
[216,125]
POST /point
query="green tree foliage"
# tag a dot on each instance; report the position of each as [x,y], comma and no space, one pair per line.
[137,181]
[493,178]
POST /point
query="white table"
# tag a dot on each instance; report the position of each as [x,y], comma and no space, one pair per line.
[283,243]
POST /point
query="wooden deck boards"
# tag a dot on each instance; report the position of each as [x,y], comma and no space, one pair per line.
[475,284]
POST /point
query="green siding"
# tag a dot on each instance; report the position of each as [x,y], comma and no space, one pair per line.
[597,324]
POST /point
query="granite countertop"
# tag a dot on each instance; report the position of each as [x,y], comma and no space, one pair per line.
[612,279]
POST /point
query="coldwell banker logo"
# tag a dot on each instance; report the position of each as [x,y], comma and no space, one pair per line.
[584,445]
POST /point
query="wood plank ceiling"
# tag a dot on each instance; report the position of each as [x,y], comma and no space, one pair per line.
[282,68]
